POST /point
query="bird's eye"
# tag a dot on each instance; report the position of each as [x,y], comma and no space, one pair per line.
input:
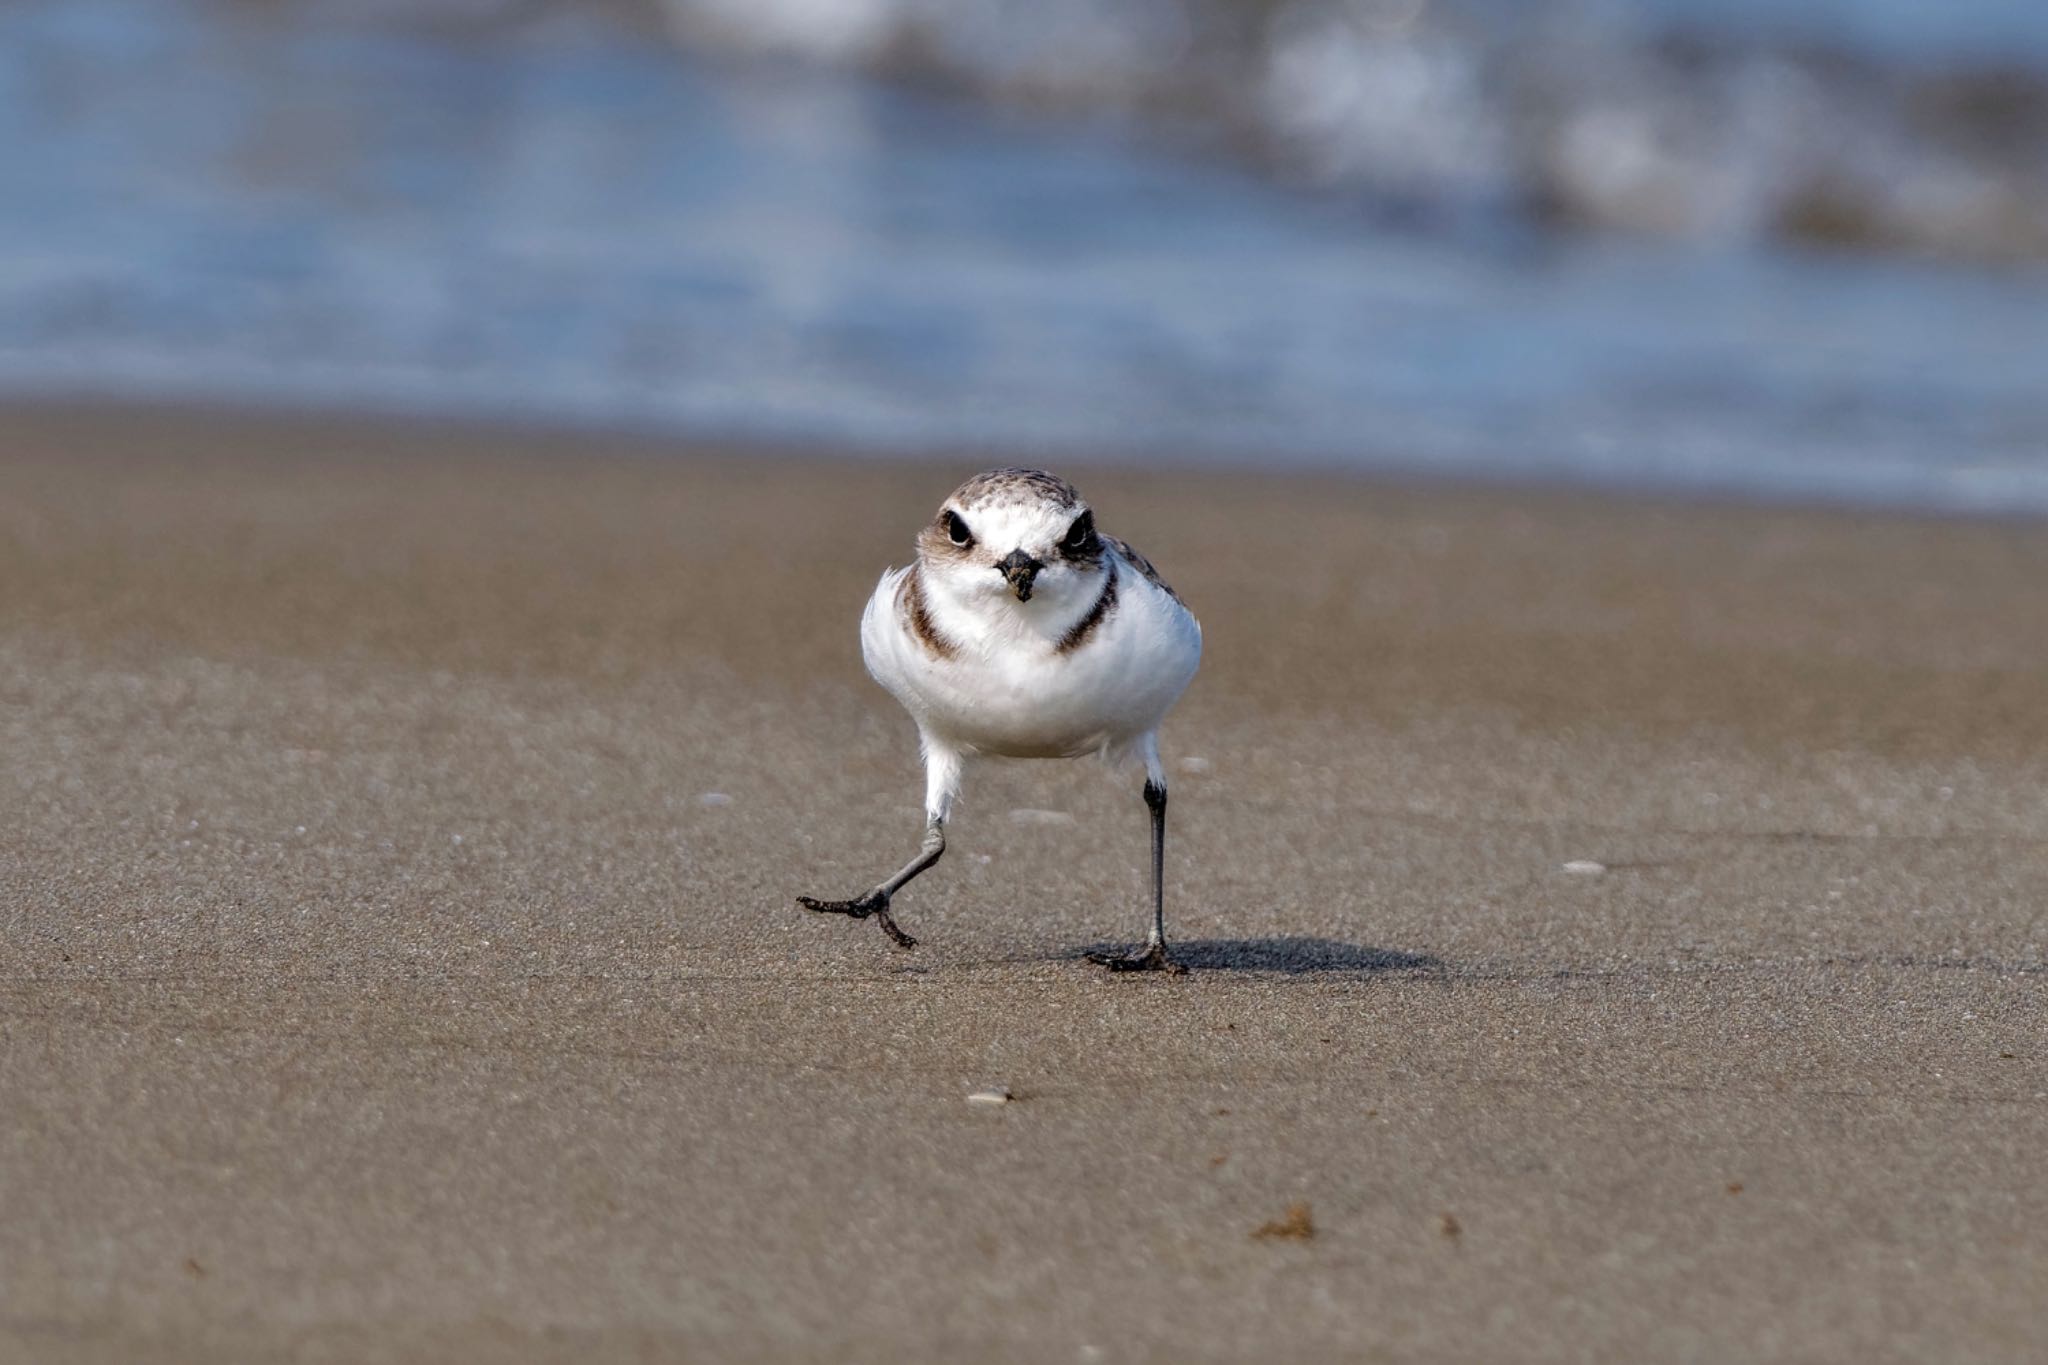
[1081,535]
[956,529]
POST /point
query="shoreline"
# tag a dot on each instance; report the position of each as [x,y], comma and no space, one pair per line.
[1936,496]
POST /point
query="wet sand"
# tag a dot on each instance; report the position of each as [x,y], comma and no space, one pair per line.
[398,958]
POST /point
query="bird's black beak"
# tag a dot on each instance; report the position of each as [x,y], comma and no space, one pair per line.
[1019,568]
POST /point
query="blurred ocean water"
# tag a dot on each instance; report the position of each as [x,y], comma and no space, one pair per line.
[1903,123]
[542,211]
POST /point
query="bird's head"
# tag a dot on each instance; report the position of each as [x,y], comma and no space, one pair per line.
[1018,535]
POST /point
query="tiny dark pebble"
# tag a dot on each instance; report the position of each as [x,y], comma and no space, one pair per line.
[1453,1229]
[194,1269]
[2009,1056]
[1735,1187]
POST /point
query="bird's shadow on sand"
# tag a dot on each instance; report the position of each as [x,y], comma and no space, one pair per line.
[1292,956]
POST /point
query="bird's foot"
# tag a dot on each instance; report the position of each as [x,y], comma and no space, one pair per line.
[1153,959]
[875,903]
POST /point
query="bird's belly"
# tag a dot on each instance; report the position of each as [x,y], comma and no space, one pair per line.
[1031,703]
[1020,717]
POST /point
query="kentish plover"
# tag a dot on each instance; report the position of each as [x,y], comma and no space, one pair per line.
[1020,631]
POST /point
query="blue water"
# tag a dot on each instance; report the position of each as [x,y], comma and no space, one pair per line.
[1915,33]
[570,222]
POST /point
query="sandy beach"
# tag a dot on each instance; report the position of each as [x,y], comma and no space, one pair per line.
[398,956]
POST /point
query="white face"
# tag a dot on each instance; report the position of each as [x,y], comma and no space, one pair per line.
[1054,537]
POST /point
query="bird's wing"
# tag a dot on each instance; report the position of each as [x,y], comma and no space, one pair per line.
[1141,564]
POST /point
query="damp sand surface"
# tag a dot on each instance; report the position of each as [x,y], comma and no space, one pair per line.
[1617,926]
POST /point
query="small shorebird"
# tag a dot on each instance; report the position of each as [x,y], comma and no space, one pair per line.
[1023,632]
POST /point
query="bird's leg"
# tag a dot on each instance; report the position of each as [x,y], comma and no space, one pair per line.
[942,768]
[1153,958]
[876,902]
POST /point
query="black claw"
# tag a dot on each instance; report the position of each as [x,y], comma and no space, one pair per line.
[859,908]
[902,939]
[874,903]
[1153,959]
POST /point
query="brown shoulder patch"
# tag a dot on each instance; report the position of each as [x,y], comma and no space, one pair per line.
[1105,603]
[1016,484]
[1141,564]
[910,601]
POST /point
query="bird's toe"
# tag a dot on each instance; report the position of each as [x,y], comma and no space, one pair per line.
[1152,959]
[875,903]
[860,907]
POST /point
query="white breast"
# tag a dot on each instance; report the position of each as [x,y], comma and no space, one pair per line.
[1012,693]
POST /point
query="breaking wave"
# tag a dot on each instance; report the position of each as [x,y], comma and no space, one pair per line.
[1884,123]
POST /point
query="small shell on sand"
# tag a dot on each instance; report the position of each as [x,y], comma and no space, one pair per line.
[714,799]
[1585,867]
[1194,765]
[997,1094]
